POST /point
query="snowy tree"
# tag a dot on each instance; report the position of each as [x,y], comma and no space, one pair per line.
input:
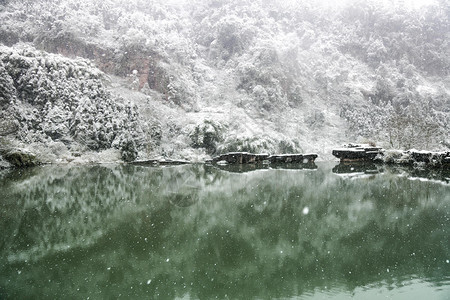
[7,89]
[61,99]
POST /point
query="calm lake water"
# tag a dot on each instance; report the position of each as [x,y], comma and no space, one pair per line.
[199,232]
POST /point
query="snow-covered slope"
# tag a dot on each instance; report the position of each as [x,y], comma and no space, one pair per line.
[204,77]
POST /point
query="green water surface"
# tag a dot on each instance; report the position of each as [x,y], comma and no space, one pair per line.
[199,232]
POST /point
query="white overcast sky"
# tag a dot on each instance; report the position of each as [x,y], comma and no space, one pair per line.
[408,3]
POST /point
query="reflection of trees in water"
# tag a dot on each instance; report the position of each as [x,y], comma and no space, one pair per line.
[51,209]
[239,236]
[56,208]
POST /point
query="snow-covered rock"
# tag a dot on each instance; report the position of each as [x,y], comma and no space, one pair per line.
[357,152]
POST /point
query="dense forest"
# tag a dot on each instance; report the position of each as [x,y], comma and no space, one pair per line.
[136,79]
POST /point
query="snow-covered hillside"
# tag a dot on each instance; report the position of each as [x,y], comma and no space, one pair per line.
[191,79]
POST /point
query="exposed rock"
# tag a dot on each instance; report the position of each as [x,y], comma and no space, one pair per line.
[293,158]
[251,158]
[20,158]
[428,157]
[357,152]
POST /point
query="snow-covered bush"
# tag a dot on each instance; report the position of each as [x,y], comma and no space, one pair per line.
[247,144]
[128,149]
[289,147]
[396,156]
[207,135]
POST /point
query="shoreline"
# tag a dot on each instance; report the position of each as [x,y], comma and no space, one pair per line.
[417,159]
